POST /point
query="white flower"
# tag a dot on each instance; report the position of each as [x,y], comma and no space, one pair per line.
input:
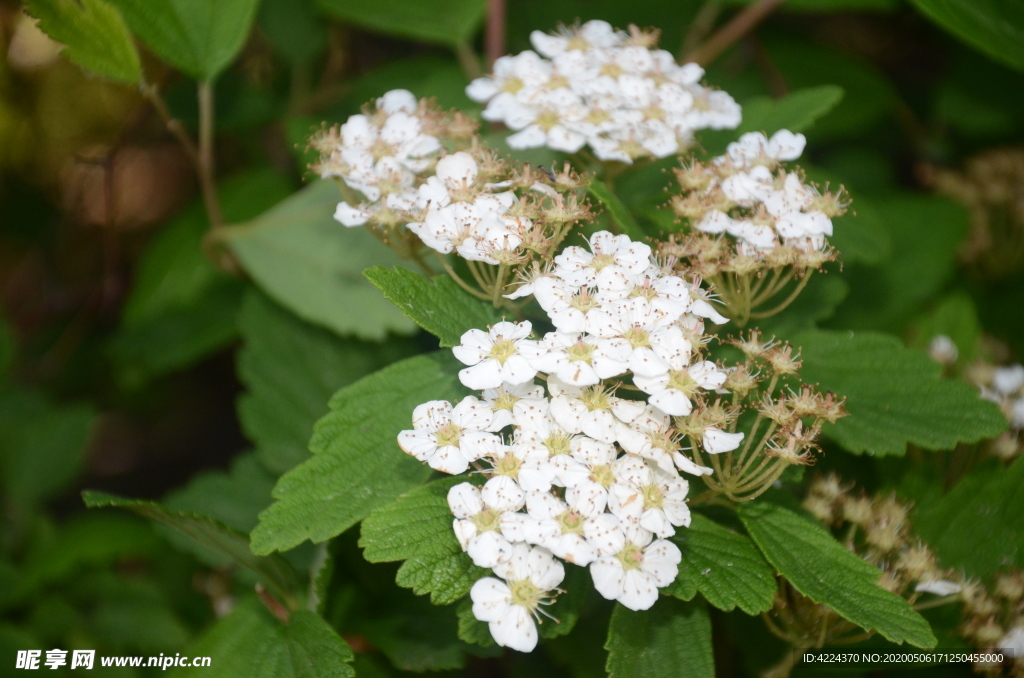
[939,587]
[593,410]
[717,441]
[652,437]
[942,349]
[509,607]
[449,438]
[1013,642]
[671,392]
[648,497]
[1008,380]
[556,526]
[588,481]
[515,404]
[579,267]
[479,518]
[754,147]
[633,567]
[581,360]
[494,356]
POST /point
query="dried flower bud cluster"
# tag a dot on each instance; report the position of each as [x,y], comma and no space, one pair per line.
[747,212]
[592,85]
[1005,387]
[994,620]
[576,473]
[992,187]
[878,530]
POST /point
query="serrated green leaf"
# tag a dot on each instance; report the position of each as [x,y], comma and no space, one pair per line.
[617,210]
[197,36]
[439,306]
[979,525]
[356,465]
[671,639]
[309,263]
[291,369]
[251,642]
[894,395]
[417,529]
[995,27]
[796,111]
[446,22]
[955,317]
[42,445]
[181,307]
[724,567]
[820,568]
[96,36]
[211,534]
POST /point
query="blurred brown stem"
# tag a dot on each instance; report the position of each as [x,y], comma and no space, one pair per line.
[727,35]
[495,41]
[205,160]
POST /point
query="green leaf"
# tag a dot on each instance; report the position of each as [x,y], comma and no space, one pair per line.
[197,36]
[356,465]
[926,232]
[250,642]
[724,567]
[979,525]
[209,533]
[438,305]
[435,76]
[294,28]
[308,262]
[618,211]
[671,639]
[416,636]
[796,111]
[96,36]
[804,64]
[820,568]
[818,301]
[445,22]
[956,318]
[995,27]
[418,530]
[181,307]
[41,445]
[894,395]
[234,497]
[291,369]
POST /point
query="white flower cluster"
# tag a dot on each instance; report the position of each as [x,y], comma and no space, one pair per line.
[746,194]
[460,215]
[1006,388]
[381,154]
[593,85]
[576,474]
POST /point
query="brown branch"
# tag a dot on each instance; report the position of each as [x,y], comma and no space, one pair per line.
[727,35]
[495,36]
